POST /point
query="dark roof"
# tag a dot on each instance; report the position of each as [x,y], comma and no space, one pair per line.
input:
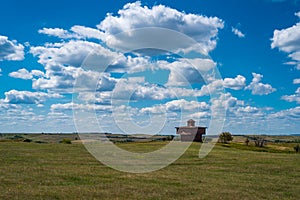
[190,127]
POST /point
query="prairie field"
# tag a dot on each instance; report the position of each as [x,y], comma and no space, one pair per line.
[30,170]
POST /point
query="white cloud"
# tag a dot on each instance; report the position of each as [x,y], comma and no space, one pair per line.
[0,72]
[294,97]
[184,72]
[25,74]
[151,91]
[131,64]
[76,106]
[141,91]
[62,63]
[296,81]
[259,88]
[77,32]
[180,105]
[248,109]
[74,53]
[22,74]
[27,97]
[7,106]
[288,40]
[133,16]
[237,32]
[37,73]
[57,32]
[185,105]
[291,113]
[297,14]
[236,83]
[86,32]
[61,59]
[10,50]
[62,79]
[227,101]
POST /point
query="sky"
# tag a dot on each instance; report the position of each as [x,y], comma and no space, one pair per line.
[148,66]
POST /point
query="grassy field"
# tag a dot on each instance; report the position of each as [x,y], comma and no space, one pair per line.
[68,171]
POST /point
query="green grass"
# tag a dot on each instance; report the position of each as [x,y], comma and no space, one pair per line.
[271,147]
[58,171]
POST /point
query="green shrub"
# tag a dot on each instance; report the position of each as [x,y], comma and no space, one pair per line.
[27,140]
[297,148]
[66,141]
[225,137]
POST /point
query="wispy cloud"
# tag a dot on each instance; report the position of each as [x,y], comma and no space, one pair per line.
[237,32]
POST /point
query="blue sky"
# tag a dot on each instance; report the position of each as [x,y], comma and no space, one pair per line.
[47,48]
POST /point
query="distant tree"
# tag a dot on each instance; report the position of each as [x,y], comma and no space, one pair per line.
[260,141]
[297,148]
[247,141]
[225,137]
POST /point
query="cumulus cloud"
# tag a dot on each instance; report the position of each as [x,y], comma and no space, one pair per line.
[21,73]
[294,97]
[248,109]
[62,79]
[25,74]
[236,83]
[297,14]
[73,53]
[259,88]
[226,101]
[141,91]
[291,113]
[134,16]
[152,91]
[288,40]
[61,59]
[7,106]
[27,97]
[184,72]
[237,32]
[10,50]
[180,105]
[64,63]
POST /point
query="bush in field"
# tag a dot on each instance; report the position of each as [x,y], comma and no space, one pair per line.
[225,137]
[27,140]
[66,141]
[297,148]
[260,141]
